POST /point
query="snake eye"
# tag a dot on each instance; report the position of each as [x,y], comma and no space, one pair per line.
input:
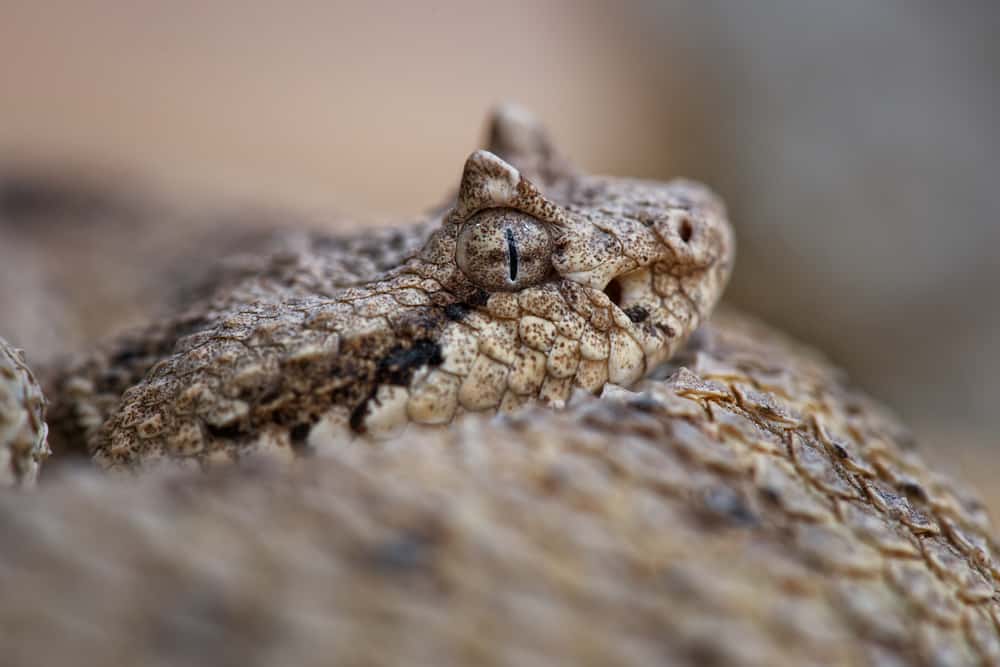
[503,250]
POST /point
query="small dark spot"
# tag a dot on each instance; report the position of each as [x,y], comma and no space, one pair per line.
[644,403]
[841,451]
[397,241]
[667,330]
[771,495]
[398,366]
[456,312]
[644,217]
[614,291]
[686,230]
[299,433]
[913,491]
[554,478]
[269,396]
[133,351]
[704,651]
[357,418]
[226,432]
[972,504]
[281,418]
[723,504]
[478,298]
[423,324]
[637,313]
[403,553]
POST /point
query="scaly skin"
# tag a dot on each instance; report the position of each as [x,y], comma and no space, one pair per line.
[23,431]
[750,509]
[741,505]
[284,360]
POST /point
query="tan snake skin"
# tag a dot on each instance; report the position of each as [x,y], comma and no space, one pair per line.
[514,295]
[23,431]
[740,505]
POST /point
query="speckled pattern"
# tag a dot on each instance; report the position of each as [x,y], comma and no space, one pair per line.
[739,502]
[23,431]
[599,280]
[748,509]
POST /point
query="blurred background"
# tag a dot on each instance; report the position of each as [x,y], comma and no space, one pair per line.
[857,143]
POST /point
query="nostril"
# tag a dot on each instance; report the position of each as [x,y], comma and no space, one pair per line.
[686,230]
[614,291]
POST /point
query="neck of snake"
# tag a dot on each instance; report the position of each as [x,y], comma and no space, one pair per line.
[405,350]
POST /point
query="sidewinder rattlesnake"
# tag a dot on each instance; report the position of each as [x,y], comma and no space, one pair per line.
[708,492]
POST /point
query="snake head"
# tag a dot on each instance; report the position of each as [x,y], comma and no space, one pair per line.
[537,280]
[605,277]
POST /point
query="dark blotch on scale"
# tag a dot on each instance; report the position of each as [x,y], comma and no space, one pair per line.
[637,313]
[227,432]
[357,419]
[397,368]
[479,298]
[725,507]
[299,433]
[456,312]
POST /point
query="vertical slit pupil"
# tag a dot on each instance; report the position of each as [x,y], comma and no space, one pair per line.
[511,253]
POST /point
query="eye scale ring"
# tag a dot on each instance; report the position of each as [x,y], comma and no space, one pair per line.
[504,250]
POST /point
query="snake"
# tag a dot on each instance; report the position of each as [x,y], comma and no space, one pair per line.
[516,431]
[507,297]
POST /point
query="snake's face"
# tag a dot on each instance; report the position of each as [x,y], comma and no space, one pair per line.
[537,282]
[596,280]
